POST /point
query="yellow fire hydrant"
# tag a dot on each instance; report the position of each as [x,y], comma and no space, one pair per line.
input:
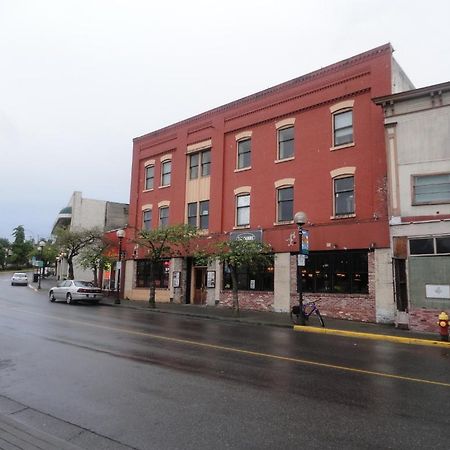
[443,326]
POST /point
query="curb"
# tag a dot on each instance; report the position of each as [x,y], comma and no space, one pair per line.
[373,336]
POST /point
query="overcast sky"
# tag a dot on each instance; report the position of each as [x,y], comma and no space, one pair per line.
[80,79]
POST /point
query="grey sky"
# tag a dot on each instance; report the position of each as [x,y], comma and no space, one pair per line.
[79,79]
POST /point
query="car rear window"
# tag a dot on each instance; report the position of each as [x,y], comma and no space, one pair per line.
[20,275]
[83,284]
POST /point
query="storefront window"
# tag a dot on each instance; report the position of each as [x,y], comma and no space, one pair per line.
[161,273]
[258,278]
[336,272]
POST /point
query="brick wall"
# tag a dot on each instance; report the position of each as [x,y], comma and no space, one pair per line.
[252,300]
[423,319]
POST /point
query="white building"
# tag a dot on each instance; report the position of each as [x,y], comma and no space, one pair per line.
[84,213]
[417,125]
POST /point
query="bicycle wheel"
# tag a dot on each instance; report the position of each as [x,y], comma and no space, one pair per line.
[320,318]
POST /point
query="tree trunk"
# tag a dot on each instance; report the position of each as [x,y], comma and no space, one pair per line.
[234,284]
[94,272]
[151,300]
[70,263]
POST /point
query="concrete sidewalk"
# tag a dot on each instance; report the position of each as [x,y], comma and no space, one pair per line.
[16,435]
[339,327]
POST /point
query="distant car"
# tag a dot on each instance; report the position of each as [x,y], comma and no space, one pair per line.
[19,279]
[72,291]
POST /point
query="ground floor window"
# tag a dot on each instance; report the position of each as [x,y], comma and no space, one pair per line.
[258,278]
[336,272]
[161,273]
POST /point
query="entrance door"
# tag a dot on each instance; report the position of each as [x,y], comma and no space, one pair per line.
[200,286]
[400,284]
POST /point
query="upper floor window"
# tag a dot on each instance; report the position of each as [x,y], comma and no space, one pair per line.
[285,142]
[163,216]
[429,189]
[343,127]
[204,215]
[430,246]
[243,210]
[344,196]
[149,177]
[166,170]
[192,214]
[147,219]
[285,204]
[244,153]
[200,160]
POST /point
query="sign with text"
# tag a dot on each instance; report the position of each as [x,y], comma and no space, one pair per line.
[246,235]
[438,291]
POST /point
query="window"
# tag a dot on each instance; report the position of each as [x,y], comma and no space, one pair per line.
[429,246]
[160,272]
[147,219]
[204,215]
[202,219]
[285,204]
[286,143]
[149,177]
[163,216]
[244,153]
[343,127]
[192,214]
[165,173]
[336,272]
[243,210]
[428,189]
[344,201]
[250,278]
[193,166]
[206,162]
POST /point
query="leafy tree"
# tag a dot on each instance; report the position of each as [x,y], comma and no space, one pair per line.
[47,254]
[162,243]
[4,248]
[235,254]
[73,242]
[21,249]
[94,257]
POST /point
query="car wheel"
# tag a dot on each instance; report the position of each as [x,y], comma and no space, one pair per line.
[51,296]
[69,300]
[12,284]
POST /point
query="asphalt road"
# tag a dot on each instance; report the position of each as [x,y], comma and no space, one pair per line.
[160,381]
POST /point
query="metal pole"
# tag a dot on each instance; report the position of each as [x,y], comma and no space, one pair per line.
[299,275]
[40,271]
[117,300]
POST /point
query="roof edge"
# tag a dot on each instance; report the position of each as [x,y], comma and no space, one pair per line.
[286,84]
[413,93]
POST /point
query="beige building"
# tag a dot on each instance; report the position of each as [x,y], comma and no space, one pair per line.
[85,213]
[417,125]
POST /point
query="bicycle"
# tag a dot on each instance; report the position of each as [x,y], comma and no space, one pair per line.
[306,310]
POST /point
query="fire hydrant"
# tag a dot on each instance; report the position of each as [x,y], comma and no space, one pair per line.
[443,326]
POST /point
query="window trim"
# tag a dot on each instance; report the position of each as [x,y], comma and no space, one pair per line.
[144,211]
[163,163]
[146,178]
[334,113]
[279,130]
[278,189]
[414,202]
[238,208]
[160,209]
[348,214]
[238,142]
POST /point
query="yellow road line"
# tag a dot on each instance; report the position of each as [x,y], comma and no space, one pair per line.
[373,336]
[244,352]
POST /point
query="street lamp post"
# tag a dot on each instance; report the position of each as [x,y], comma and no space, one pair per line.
[41,267]
[300,219]
[120,235]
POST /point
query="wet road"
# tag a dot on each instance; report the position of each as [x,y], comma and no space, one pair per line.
[159,381]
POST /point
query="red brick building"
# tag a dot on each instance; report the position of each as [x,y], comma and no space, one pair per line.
[314,144]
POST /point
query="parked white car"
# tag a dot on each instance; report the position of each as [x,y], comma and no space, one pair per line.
[19,279]
[72,291]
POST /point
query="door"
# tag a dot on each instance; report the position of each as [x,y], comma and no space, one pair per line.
[200,286]
[400,284]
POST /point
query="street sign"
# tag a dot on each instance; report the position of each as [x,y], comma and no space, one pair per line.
[305,242]
[301,260]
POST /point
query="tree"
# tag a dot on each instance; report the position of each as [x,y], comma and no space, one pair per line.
[47,254]
[21,249]
[4,249]
[161,243]
[73,242]
[235,254]
[94,257]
